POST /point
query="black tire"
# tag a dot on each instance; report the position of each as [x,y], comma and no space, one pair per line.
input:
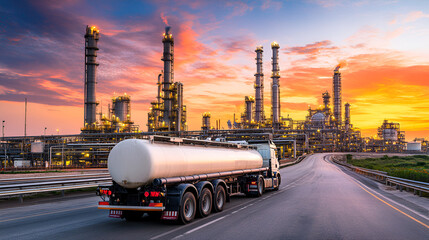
[205,203]
[260,186]
[132,216]
[188,208]
[279,181]
[219,199]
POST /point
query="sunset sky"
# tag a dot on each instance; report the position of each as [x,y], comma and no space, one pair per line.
[385,44]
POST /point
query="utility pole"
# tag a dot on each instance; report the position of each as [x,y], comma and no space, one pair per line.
[25,121]
[4,144]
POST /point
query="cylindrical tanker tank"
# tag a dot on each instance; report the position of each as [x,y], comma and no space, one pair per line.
[135,162]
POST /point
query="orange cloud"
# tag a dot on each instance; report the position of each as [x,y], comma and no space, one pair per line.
[414,16]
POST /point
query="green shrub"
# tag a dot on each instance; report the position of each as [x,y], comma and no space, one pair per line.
[420,163]
[349,157]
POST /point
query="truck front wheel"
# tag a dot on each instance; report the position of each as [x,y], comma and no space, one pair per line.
[279,181]
[205,203]
[219,199]
[187,208]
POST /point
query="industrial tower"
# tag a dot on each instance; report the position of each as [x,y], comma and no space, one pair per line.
[337,95]
[168,113]
[90,103]
[275,88]
[259,87]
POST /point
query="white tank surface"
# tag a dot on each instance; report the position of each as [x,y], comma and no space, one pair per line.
[135,162]
[414,146]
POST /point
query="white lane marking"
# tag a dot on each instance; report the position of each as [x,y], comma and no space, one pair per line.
[204,225]
[378,194]
[287,187]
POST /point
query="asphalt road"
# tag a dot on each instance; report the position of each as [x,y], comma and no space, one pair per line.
[317,200]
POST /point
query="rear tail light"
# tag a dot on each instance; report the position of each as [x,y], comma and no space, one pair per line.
[253,183]
[155,204]
[106,192]
[103,203]
[154,194]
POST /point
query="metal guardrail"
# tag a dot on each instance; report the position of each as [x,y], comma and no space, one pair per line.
[299,159]
[54,177]
[400,183]
[21,189]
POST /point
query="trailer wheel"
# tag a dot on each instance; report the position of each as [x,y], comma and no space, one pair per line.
[260,186]
[219,199]
[187,208]
[205,203]
[279,181]
[132,216]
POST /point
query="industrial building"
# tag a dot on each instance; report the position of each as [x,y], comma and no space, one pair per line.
[119,116]
[324,129]
[168,113]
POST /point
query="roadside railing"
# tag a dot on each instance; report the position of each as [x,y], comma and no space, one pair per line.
[22,189]
[90,175]
[299,159]
[400,183]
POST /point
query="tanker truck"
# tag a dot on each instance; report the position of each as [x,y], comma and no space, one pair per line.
[173,178]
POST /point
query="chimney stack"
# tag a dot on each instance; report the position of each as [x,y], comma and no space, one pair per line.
[91,39]
[275,89]
[337,95]
[259,86]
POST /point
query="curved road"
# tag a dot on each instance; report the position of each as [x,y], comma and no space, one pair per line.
[317,200]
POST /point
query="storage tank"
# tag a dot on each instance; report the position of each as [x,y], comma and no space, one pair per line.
[135,162]
[414,146]
[121,107]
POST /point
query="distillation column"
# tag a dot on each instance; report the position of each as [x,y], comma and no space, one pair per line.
[326,99]
[259,86]
[179,107]
[206,122]
[90,103]
[337,95]
[249,101]
[168,58]
[347,116]
[275,91]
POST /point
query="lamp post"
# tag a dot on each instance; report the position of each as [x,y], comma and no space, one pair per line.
[4,144]
[44,132]
[58,131]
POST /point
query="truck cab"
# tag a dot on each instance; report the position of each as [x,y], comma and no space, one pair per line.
[267,149]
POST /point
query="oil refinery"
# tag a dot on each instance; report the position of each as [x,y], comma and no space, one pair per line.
[324,129]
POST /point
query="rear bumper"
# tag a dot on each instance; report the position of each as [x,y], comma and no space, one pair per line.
[132,208]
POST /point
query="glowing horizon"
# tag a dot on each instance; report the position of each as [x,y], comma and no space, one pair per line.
[385,75]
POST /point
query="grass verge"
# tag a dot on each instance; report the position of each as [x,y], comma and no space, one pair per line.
[410,167]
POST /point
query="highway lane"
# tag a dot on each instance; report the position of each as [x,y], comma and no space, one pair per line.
[317,200]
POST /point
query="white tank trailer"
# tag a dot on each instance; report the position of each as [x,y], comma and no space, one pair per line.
[178,179]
